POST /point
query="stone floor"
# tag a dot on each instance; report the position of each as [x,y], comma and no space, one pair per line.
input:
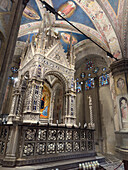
[72,164]
[110,163]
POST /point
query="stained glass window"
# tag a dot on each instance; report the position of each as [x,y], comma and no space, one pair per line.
[14,69]
[89,65]
[89,84]
[78,87]
[104,69]
[104,80]
[96,69]
[82,75]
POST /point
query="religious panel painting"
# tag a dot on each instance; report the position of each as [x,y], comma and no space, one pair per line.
[45,103]
[5,5]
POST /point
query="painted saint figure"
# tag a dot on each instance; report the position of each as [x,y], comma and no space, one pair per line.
[67,9]
[120,83]
[124,109]
[30,13]
[66,38]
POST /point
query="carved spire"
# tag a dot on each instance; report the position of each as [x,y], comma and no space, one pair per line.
[25,48]
[71,48]
[46,36]
[70,51]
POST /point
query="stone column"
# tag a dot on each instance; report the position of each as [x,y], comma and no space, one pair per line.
[31,115]
[12,113]
[8,98]
[11,153]
[70,117]
[120,74]
[52,107]
[39,98]
[13,26]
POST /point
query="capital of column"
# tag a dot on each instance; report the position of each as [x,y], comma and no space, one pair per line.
[119,67]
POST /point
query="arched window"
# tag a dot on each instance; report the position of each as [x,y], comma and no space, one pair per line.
[78,87]
[89,84]
[104,80]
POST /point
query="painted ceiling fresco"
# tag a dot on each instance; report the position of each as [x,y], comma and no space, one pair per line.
[65,38]
[31,13]
[72,12]
[87,15]
[114,5]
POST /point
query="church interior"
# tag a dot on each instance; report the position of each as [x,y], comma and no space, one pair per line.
[64,84]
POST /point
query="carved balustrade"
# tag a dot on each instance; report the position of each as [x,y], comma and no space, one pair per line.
[38,144]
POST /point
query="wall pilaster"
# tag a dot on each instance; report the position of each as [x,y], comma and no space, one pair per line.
[120,75]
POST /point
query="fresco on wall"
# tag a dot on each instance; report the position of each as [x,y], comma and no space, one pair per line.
[72,12]
[31,13]
[123,103]
[114,4]
[120,83]
[101,23]
[5,5]
[45,103]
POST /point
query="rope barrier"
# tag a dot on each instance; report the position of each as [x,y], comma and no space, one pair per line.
[118,165]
